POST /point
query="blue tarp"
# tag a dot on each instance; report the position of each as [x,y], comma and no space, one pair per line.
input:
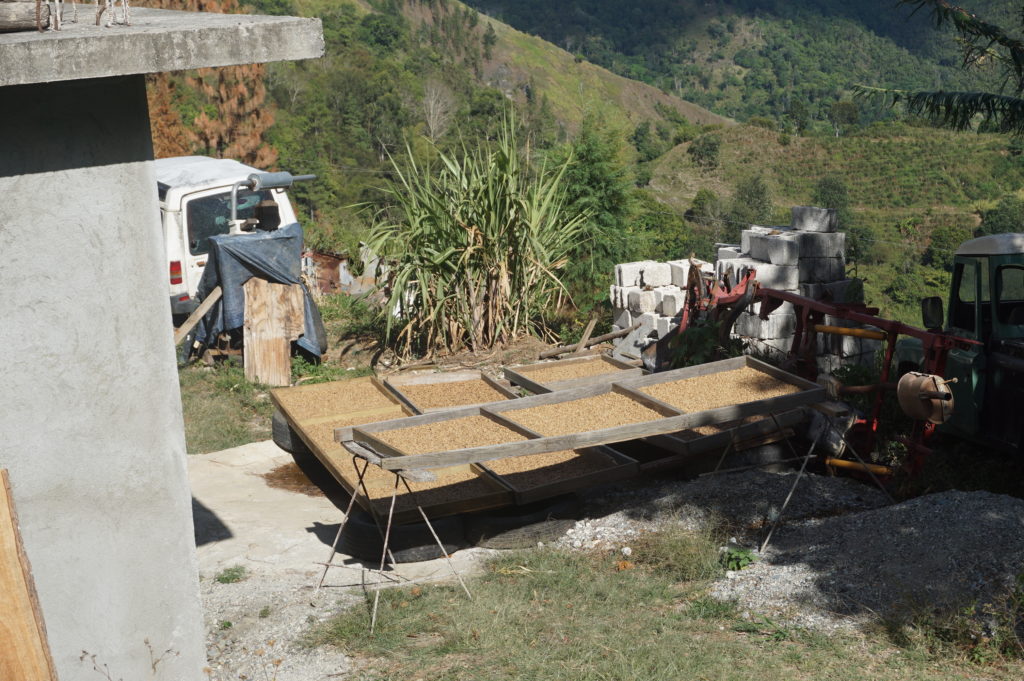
[234,259]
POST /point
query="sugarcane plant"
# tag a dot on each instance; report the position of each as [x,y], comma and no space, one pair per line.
[473,245]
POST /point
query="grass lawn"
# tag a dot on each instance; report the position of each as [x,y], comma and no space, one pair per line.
[550,614]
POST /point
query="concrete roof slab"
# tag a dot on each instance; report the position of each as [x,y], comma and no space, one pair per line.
[157,41]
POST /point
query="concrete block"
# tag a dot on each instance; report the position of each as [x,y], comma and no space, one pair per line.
[828,363]
[781,277]
[777,248]
[821,270]
[649,319]
[747,324]
[622,318]
[785,308]
[659,296]
[640,301]
[673,302]
[667,325]
[624,293]
[633,344]
[728,252]
[845,291]
[656,274]
[813,219]
[680,270]
[613,295]
[771,350]
[822,244]
[778,326]
[749,232]
[628,273]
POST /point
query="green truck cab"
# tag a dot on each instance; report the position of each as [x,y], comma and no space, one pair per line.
[986,305]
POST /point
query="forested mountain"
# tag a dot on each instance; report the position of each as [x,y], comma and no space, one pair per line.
[661,177]
[790,60]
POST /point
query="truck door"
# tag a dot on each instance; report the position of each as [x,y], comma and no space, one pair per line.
[967,305]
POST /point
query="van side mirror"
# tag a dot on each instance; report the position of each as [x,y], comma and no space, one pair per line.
[931,312]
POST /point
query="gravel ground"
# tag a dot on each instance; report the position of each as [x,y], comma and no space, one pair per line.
[937,553]
[746,501]
[255,627]
[843,556]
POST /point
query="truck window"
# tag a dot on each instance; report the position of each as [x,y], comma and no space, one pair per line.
[209,215]
[1010,294]
[965,285]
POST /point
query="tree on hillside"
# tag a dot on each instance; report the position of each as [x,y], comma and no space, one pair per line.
[235,116]
[1007,216]
[705,151]
[985,46]
[831,192]
[598,183]
[751,204]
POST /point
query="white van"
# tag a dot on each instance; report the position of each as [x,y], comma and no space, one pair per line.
[195,204]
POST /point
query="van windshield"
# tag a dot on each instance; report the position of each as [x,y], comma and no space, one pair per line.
[208,216]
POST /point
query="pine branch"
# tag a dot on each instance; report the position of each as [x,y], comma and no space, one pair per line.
[957,110]
[979,37]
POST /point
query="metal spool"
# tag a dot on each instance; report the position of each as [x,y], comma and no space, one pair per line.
[925,397]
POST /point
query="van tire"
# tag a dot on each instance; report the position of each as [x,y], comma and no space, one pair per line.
[285,437]
[409,543]
[523,527]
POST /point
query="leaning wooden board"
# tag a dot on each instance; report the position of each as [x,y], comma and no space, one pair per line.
[513,439]
[24,650]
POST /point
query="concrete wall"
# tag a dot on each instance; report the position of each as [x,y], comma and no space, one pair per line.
[90,414]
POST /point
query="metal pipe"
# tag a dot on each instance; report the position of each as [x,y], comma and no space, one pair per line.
[857,466]
[234,197]
[846,331]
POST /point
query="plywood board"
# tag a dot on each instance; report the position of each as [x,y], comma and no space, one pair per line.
[24,651]
[274,317]
[673,420]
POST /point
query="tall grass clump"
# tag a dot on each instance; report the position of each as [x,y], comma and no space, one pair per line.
[473,246]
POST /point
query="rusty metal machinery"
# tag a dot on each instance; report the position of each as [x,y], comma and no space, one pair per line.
[925,397]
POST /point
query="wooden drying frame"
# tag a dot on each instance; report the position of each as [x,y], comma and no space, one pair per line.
[674,420]
[520,375]
[622,467]
[396,383]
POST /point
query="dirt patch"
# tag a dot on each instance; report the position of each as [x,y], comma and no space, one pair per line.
[701,393]
[291,478]
[580,416]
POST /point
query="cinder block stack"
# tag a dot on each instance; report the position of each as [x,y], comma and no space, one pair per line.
[652,293]
[807,257]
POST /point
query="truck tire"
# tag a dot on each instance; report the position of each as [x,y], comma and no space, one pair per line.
[285,437]
[409,543]
[523,527]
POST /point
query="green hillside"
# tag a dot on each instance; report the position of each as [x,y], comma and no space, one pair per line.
[789,60]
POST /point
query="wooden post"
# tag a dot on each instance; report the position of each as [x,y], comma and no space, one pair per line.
[24,651]
[274,317]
